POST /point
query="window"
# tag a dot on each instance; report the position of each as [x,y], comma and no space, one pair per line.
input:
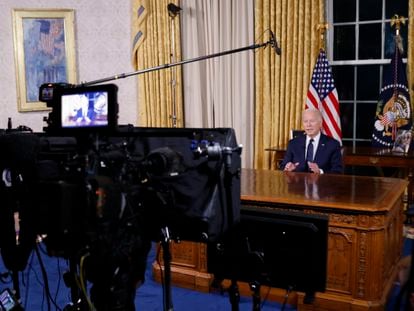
[360,44]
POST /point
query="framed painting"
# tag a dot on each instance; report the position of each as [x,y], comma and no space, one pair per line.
[44,47]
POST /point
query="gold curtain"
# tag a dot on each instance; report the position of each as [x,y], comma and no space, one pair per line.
[282,81]
[156,38]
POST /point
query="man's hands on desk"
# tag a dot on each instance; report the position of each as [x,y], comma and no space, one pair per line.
[313,167]
[289,167]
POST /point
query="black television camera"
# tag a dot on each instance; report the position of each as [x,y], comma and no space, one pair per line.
[100,192]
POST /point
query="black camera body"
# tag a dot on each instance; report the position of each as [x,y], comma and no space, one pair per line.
[186,179]
[95,189]
[195,171]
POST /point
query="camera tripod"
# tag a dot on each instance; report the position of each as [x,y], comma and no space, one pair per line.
[234,295]
[165,245]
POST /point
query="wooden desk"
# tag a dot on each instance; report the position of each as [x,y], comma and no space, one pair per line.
[370,156]
[364,243]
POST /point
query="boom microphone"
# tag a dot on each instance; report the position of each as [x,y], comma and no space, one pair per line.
[173,10]
[274,44]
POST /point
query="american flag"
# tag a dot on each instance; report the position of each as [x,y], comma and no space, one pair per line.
[322,95]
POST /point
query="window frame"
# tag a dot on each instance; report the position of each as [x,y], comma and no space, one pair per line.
[356,62]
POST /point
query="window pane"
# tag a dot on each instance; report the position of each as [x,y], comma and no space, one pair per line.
[347,119]
[344,42]
[344,10]
[365,120]
[399,7]
[370,10]
[389,40]
[344,81]
[368,84]
[370,41]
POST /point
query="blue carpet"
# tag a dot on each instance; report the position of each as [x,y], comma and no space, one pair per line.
[149,296]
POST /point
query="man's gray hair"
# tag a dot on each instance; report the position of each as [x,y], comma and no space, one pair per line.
[313,110]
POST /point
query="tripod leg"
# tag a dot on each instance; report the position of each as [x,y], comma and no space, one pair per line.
[234,296]
[16,286]
[165,243]
[255,287]
[69,277]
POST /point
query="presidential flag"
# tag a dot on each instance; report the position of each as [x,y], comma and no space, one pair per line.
[322,95]
[393,112]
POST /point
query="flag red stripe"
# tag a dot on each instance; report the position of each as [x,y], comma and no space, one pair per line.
[326,130]
[314,100]
[335,115]
[323,85]
[332,114]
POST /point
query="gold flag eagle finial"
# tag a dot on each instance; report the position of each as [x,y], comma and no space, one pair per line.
[321,28]
[396,22]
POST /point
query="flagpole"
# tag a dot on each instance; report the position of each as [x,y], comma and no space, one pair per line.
[396,22]
[393,109]
[173,12]
[322,28]
[322,93]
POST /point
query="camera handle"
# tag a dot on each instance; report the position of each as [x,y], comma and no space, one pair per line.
[165,244]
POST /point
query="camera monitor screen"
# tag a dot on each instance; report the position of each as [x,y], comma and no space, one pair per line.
[93,107]
[85,109]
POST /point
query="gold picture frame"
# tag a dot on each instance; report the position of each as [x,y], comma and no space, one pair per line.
[44,49]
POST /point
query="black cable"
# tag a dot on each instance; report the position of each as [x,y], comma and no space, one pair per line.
[44,251]
[59,280]
[49,297]
[288,290]
[26,281]
[44,274]
[39,281]
[266,296]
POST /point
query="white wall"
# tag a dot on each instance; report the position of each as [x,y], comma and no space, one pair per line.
[103,49]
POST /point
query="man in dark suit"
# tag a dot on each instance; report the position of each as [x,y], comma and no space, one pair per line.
[313,152]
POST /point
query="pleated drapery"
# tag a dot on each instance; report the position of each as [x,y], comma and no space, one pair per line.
[219,92]
[159,41]
[282,81]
